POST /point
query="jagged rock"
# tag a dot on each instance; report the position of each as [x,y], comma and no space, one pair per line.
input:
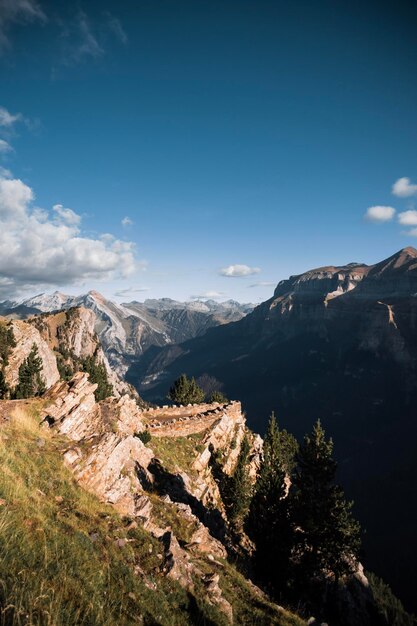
[205,543]
[26,335]
[214,595]
[176,563]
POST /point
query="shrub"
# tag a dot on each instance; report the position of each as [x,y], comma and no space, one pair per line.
[145,436]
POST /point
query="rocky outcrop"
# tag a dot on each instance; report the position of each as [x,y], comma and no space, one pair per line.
[72,334]
[26,336]
[108,458]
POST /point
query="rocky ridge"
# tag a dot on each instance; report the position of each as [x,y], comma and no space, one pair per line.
[107,457]
[128,330]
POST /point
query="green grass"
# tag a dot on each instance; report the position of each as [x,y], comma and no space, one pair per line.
[165,514]
[177,453]
[66,559]
[61,563]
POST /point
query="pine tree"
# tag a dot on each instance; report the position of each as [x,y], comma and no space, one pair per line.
[4,388]
[185,391]
[217,396]
[268,523]
[239,488]
[98,375]
[327,537]
[195,393]
[31,382]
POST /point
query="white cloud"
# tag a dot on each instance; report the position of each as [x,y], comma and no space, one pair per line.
[237,271]
[39,248]
[5,147]
[403,188]
[68,216]
[408,218]
[88,44]
[263,284]
[124,293]
[17,11]
[7,119]
[126,221]
[5,173]
[379,213]
[209,294]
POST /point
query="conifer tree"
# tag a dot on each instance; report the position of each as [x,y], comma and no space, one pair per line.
[327,538]
[31,382]
[239,489]
[268,523]
[4,389]
[185,391]
[218,396]
[98,375]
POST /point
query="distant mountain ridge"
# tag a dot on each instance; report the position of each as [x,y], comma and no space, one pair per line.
[339,344]
[127,330]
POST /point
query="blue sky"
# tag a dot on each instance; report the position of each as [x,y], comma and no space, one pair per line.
[236,137]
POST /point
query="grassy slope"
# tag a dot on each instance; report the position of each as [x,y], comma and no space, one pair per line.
[67,559]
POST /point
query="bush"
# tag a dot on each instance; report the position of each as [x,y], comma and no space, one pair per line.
[145,436]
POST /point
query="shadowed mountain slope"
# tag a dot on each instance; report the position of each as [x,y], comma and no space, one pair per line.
[338,343]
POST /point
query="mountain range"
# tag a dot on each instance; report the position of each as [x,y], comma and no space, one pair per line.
[127,330]
[339,344]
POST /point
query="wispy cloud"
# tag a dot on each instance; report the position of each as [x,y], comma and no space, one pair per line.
[403,188]
[238,271]
[80,40]
[115,26]
[263,283]
[7,119]
[208,294]
[380,213]
[126,221]
[5,147]
[129,291]
[17,12]
[85,38]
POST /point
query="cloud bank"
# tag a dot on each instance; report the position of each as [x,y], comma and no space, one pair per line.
[237,271]
[47,248]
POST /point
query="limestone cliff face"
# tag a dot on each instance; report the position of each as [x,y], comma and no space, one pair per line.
[108,458]
[72,333]
[26,335]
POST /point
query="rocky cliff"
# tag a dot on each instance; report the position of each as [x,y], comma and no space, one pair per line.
[26,336]
[71,335]
[149,483]
[339,344]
